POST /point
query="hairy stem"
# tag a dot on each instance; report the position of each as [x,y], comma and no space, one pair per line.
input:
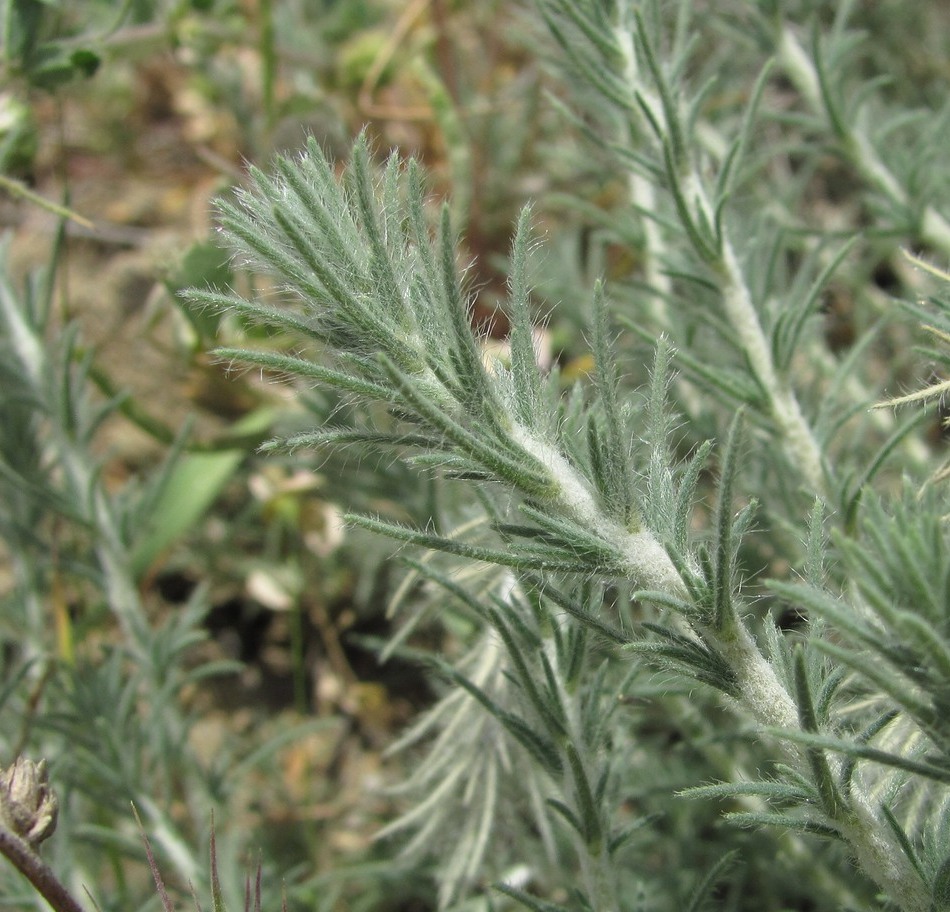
[856,143]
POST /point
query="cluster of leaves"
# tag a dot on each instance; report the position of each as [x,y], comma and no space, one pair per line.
[586,485]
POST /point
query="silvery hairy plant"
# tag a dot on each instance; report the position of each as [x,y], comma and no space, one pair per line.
[603,545]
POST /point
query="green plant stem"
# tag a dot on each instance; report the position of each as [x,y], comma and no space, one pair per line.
[268,62]
[644,558]
[855,143]
[18,188]
[643,192]
[599,878]
[766,699]
[797,437]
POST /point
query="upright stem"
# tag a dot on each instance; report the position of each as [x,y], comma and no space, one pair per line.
[643,193]
[797,437]
[599,874]
[855,143]
[761,694]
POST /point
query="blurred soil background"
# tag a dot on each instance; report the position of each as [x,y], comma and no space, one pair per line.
[137,116]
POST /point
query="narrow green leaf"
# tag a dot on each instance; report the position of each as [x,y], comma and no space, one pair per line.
[849,766]
[920,631]
[701,893]
[829,687]
[893,684]
[450,585]
[524,368]
[540,749]
[865,752]
[549,711]
[704,244]
[773,791]
[592,70]
[818,603]
[262,315]
[577,612]
[383,273]
[832,802]
[301,367]
[312,195]
[789,330]
[247,235]
[567,814]
[595,32]
[518,559]
[730,167]
[835,117]
[736,387]
[686,495]
[573,666]
[525,474]
[613,454]
[852,498]
[589,814]
[572,536]
[903,840]
[471,374]
[725,545]
[619,839]
[783,822]
[816,545]
[680,606]
[314,259]
[687,656]
[672,131]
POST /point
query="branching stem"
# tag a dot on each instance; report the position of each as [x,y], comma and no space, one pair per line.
[856,143]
